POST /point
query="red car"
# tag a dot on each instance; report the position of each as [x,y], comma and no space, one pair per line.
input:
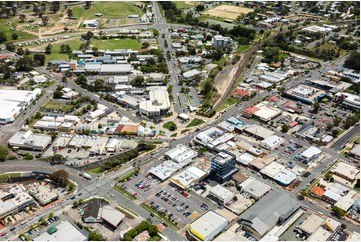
[3,234]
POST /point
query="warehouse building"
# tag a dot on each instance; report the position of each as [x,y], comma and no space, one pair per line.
[345,171]
[206,227]
[309,155]
[181,154]
[254,188]
[164,170]
[30,141]
[275,208]
[257,131]
[44,195]
[14,102]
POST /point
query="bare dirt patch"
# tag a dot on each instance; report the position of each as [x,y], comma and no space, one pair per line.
[228,11]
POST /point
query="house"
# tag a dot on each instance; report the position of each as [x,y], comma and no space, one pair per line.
[94,23]
[220,41]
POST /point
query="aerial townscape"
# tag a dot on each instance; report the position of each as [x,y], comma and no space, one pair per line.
[179,120]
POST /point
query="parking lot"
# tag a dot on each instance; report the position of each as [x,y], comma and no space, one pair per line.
[176,205]
[35,232]
[291,234]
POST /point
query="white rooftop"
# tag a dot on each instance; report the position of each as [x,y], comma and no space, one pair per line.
[208,223]
[310,152]
[254,187]
[221,192]
[66,232]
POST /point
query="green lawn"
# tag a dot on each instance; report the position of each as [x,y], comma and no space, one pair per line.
[195,122]
[57,106]
[5,28]
[185,5]
[4,177]
[150,209]
[242,49]
[125,193]
[96,170]
[127,212]
[108,9]
[170,126]
[357,140]
[174,135]
[112,44]
[229,102]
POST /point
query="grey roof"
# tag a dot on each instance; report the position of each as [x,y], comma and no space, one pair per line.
[356,150]
[263,215]
[92,209]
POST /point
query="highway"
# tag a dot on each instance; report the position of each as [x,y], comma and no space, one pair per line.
[340,143]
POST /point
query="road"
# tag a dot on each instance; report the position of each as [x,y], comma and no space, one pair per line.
[339,144]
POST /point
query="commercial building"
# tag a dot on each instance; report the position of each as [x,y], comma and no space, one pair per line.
[157,105]
[317,29]
[316,221]
[164,170]
[220,41]
[181,154]
[311,154]
[30,141]
[266,112]
[221,194]
[345,171]
[271,142]
[272,209]
[93,23]
[348,100]
[223,166]
[14,102]
[345,202]
[257,131]
[64,231]
[115,69]
[206,227]
[254,188]
[13,199]
[334,192]
[355,151]
[190,74]
[188,177]
[42,194]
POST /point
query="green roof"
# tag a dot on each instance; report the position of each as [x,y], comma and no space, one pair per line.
[52,230]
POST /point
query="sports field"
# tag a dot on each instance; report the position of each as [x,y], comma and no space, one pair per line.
[227,11]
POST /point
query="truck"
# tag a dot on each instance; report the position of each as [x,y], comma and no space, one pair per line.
[87,176]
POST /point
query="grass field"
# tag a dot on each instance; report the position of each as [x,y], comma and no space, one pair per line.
[125,193]
[214,20]
[113,10]
[229,102]
[112,44]
[170,126]
[242,49]
[4,177]
[157,214]
[5,28]
[58,106]
[228,11]
[330,46]
[96,170]
[185,4]
[195,122]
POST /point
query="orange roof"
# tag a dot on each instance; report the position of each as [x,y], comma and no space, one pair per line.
[143,50]
[293,124]
[273,98]
[276,64]
[318,191]
[241,92]
[130,129]
[250,110]
[3,57]
[119,128]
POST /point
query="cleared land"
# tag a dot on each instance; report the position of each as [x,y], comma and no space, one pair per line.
[112,44]
[228,11]
[109,10]
[5,28]
[195,122]
[5,177]
[57,106]
[185,4]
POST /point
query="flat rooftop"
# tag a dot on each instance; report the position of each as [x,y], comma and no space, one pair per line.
[65,232]
[208,223]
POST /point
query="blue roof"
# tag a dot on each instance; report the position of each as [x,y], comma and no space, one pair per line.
[235,121]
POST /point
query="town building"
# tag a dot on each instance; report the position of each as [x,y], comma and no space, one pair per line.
[187,178]
[93,23]
[309,155]
[220,194]
[345,171]
[271,142]
[207,226]
[220,41]
[44,195]
[255,188]
[13,199]
[348,100]
[223,167]
[30,141]
[64,231]
[157,105]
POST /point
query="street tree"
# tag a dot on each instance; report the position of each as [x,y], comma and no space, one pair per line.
[61,177]
[2,37]
[4,152]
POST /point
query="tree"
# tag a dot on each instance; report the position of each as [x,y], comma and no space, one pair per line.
[51,215]
[45,20]
[39,59]
[55,6]
[22,17]
[338,211]
[285,128]
[94,236]
[88,4]
[25,63]
[69,12]
[138,81]
[2,37]
[353,61]
[316,106]
[61,177]
[14,36]
[155,32]
[57,94]
[200,8]
[48,49]
[335,132]
[145,45]
[4,152]
[82,81]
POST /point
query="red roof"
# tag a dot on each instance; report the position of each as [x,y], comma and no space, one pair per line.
[276,64]
[242,92]
[3,57]
[250,110]
[143,50]
[119,128]
[273,98]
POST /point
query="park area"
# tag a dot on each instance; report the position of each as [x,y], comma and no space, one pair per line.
[113,10]
[227,11]
[57,106]
[185,4]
